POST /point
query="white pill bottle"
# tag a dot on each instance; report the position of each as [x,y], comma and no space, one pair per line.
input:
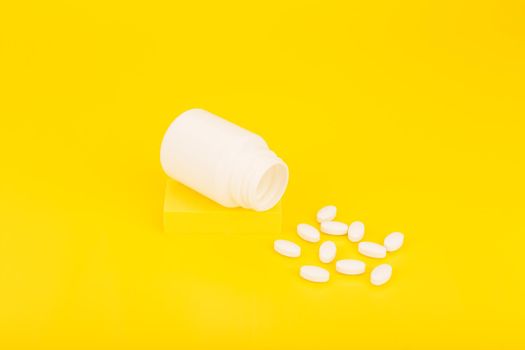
[222,161]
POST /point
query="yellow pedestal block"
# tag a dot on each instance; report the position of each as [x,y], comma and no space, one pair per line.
[187,212]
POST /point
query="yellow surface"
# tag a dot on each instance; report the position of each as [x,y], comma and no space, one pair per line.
[408,115]
[187,212]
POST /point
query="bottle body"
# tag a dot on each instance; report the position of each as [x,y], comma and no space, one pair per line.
[223,161]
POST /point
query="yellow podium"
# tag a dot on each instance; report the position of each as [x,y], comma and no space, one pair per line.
[188,212]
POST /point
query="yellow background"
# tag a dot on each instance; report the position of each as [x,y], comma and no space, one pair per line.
[407,115]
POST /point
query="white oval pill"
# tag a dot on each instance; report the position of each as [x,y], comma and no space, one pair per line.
[381,274]
[326,213]
[308,233]
[314,273]
[394,241]
[356,231]
[372,250]
[335,228]
[287,248]
[327,252]
[350,267]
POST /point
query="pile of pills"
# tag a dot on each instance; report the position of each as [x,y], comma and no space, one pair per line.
[327,250]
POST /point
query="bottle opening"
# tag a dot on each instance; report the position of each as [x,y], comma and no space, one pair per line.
[271,187]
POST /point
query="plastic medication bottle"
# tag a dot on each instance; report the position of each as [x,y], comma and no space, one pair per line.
[223,161]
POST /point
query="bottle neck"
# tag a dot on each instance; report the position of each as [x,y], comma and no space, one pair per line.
[259,179]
